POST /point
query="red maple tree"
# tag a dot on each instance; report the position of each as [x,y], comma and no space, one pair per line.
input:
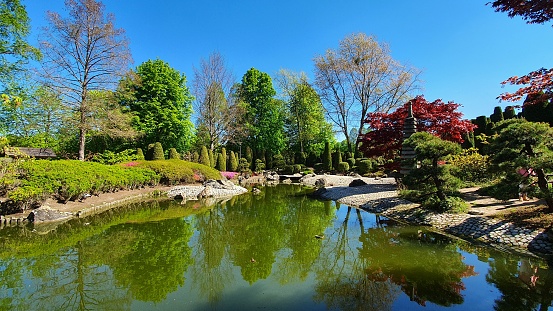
[539,83]
[438,118]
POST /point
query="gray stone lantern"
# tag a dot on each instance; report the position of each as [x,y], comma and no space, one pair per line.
[408,155]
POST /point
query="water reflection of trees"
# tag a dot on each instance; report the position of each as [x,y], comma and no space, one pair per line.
[524,284]
[341,278]
[386,259]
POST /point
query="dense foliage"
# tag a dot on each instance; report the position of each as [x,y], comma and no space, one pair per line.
[161,102]
[385,129]
[522,144]
[431,181]
[29,183]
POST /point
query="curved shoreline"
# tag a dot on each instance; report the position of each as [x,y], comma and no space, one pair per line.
[380,196]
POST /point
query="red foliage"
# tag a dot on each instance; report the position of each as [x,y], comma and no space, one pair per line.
[439,118]
[534,12]
[539,87]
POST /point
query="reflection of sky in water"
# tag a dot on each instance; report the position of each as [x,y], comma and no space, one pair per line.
[363,262]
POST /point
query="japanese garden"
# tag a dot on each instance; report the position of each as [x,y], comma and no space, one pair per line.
[143,187]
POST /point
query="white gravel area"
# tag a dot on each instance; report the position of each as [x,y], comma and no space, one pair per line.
[337,189]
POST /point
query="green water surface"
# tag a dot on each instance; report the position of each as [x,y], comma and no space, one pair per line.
[279,250]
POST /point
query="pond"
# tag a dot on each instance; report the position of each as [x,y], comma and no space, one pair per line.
[279,250]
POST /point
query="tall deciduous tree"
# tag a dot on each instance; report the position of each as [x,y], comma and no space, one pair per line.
[359,77]
[539,83]
[83,52]
[158,97]
[263,112]
[15,51]
[212,87]
[438,118]
[305,123]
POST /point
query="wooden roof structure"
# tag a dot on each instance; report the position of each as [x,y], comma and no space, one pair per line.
[38,153]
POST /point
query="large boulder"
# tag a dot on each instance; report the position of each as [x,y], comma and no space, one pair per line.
[321,182]
[357,183]
[219,184]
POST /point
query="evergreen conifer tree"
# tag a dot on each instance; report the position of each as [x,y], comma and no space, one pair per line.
[233,162]
[327,157]
[204,157]
[173,154]
[158,152]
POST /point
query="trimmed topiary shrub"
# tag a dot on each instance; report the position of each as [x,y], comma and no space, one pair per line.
[233,162]
[364,166]
[173,154]
[278,162]
[221,164]
[139,154]
[158,152]
[327,158]
[343,167]
[259,165]
[204,157]
[351,162]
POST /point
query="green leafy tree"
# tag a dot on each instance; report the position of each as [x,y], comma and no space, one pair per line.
[158,152]
[82,53]
[161,102]
[233,162]
[15,51]
[263,113]
[305,124]
[204,156]
[432,179]
[524,144]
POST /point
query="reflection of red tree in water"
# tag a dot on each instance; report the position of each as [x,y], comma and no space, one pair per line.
[410,288]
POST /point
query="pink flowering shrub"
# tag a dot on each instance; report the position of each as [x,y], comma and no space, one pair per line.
[229,175]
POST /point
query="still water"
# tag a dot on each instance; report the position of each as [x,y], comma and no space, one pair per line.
[278,250]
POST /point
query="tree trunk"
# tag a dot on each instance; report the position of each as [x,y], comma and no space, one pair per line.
[542,184]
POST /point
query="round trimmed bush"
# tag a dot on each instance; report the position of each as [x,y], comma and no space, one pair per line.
[343,167]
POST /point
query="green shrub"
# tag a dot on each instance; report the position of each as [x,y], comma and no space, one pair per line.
[343,167]
[60,179]
[139,154]
[259,165]
[221,163]
[351,162]
[244,166]
[211,158]
[318,167]
[233,162]
[158,152]
[204,157]
[364,166]
[471,167]
[173,154]
[278,162]
[110,157]
[327,157]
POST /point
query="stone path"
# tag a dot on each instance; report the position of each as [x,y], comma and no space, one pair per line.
[380,196]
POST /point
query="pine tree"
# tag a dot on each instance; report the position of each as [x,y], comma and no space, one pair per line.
[204,156]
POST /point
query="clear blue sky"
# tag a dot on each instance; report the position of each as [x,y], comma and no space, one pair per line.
[464,48]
